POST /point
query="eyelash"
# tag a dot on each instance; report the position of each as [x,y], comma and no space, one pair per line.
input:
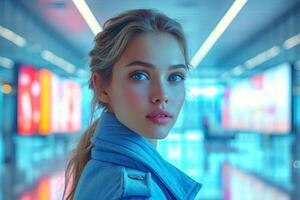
[182,76]
[138,73]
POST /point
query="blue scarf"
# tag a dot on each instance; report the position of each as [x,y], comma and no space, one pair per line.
[117,144]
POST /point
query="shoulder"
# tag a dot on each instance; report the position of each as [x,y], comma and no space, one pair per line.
[101,180]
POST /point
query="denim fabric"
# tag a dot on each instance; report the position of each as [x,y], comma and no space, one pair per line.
[125,165]
[105,181]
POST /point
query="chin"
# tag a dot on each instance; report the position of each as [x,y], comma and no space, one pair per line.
[155,133]
[158,135]
[162,137]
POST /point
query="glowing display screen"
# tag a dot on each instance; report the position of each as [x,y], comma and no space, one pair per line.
[261,103]
[46,103]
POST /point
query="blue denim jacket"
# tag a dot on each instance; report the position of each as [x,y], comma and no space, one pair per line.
[124,165]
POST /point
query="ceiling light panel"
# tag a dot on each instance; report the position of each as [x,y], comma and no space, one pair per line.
[217,32]
[88,16]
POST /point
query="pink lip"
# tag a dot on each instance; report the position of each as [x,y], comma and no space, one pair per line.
[153,117]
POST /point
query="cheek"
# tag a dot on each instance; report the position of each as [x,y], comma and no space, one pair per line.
[133,96]
[183,94]
[181,99]
[178,94]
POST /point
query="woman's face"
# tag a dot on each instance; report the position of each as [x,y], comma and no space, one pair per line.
[147,79]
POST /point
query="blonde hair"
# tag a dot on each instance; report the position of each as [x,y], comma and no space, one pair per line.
[109,46]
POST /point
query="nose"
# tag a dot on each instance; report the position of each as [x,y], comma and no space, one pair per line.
[159,96]
[157,99]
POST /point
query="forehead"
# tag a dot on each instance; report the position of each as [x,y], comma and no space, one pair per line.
[160,49]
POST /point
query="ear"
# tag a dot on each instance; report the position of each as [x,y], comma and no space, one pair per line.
[100,88]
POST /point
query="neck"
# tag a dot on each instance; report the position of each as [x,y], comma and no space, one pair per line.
[153,142]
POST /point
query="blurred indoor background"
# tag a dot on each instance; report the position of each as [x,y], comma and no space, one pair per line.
[237,134]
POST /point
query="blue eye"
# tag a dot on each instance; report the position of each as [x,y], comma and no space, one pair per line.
[176,77]
[138,76]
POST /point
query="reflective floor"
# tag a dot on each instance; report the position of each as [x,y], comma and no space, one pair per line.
[39,170]
[227,168]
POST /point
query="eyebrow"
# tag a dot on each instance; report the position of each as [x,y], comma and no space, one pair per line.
[150,65]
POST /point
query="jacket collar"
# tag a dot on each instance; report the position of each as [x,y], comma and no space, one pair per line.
[115,143]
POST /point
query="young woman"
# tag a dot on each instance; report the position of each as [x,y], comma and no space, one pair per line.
[138,64]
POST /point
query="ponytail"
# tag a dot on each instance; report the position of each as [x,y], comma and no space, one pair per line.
[81,155]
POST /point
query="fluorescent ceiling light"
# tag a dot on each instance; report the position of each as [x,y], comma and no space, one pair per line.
[292,41]
[225,75]
[217,32]
[82,73]
[12,36]
[6,62]
[58,61]
[263,57]
[88,16]
[238,70]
